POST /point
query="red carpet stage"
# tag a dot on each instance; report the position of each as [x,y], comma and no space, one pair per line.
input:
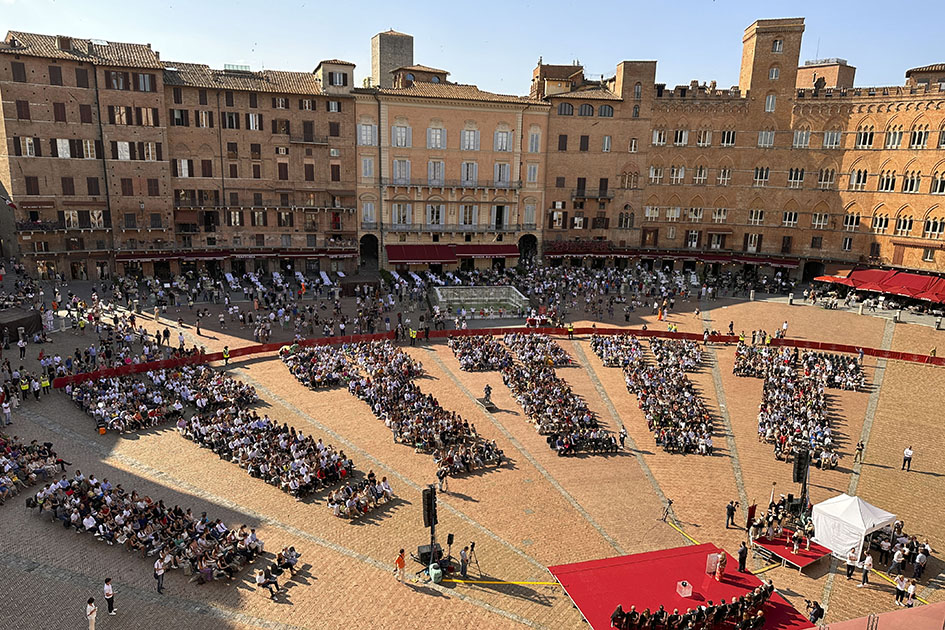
[801,559]
[646,580]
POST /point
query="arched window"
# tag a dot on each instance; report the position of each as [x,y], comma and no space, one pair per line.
[605,111]
[565,109]
[636,111]
[586,110]
[435,79]
[409,76]
[638,91]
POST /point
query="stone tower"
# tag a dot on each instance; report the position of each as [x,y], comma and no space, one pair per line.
[389,50]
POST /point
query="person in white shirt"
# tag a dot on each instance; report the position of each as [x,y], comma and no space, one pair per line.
[867,567]
[90,612]
[907,459]
[8,416]
[110,596]
[159,574]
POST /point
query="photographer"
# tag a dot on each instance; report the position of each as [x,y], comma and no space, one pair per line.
[730,511]
[814,611]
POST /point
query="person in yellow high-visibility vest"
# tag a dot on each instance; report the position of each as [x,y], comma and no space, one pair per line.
[24,388]
[413,337]
[226,355]
[44,382]
[570,331]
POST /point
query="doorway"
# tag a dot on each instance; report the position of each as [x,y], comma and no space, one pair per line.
[369,252]
[812,269]
[527,250]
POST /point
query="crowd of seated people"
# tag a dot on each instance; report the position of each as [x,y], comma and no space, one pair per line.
[549,402]
[838,371]
[318,366]
[793,413]
[479,353]
[742,613]
[22,465]
[125,404]
[537,350]
[207,549]
[414,418]
[676,415]
[278,454]
[355,500]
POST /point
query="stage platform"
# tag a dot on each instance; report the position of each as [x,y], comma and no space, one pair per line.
[802,559]
[647,580]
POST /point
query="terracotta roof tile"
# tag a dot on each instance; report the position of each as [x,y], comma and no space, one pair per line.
[935,67]
[336,62]
[454,91]
[420,68]
[596,94]
[101,54]
[202,76]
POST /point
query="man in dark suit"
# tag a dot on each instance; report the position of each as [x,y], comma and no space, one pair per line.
[742,557]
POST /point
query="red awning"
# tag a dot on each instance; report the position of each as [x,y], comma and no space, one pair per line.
[935,292]
[491,250]
[420,254]
[871,279]
[908,284]
[835,280]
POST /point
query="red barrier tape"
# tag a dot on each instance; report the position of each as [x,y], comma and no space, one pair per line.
[62,381]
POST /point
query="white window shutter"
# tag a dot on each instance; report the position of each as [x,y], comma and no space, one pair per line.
[475,169]
[497,172]
[429,138]
[409,136]
[442,138]
[393,135]
[429,214]
[407,169]
[475,218]
[409,213]
[495,141]
[431,170]
[494,209]
[476,139]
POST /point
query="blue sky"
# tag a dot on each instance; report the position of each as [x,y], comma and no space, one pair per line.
[495,44]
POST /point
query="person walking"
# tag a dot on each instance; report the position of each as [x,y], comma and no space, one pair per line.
[907,459]
[90,611]
[110,596]
[226,355]
[867,567]
[400,567]
[742,557]
[159,574]
[898,558]
[851,563]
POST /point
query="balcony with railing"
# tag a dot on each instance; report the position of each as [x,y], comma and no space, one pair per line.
[592,193]
[40,226]
[453,183]
[454,227]
[308,139]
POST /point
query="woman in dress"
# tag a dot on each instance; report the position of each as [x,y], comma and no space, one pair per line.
[720,569]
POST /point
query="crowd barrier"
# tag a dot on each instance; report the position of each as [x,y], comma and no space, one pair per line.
[442,334]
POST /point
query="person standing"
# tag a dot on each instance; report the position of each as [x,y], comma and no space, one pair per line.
[898,558]
[90,611]
[858,454]
[159,573]
[7,411]
[464,561]
[851,562]
[400,566]
[901,585]
[742,557]
[110,596]
[867,567]
[907,459]
[720,568]
[729,514]
[226,355]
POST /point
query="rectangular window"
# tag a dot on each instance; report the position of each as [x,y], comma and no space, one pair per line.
[503,173]
[469,172]
[436,172]
[337,78]
[127,187]
[124,150]
[154,188]
[19,71]
[584,143]
[677,174]
[179,118]
[847,243]
[719,215]
[864,138]
[724,177]
[605,144]
[283,168]
[700,174]
[62,148]
[673,214]
[55,75]
[818,220]
[23,110]
[928,255]
[681,137]
[692,239]
[367,135]
[695,214]
[770,101]
[786,244]
[534,142]
[756,217]
[307,104]
[502,141]
[204,119]
[334,129]
[367,167]
[728,138]
[469,140]
[659,137]
[633,145]
[826,179]
[656,174]
[32,185]
[790,219]
[400,136]
[231,120]
[766,138]
[92,186]
[795,177]
[562,142]
[334,106]
[531,173]
[651,213]
[704,139]
[81,77]
[851,222]
[68,186]
[761,176]
[817,242]
[401,172]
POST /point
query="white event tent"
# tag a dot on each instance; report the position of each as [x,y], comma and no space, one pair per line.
[841,523]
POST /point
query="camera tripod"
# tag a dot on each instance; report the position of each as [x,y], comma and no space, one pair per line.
[474,556]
